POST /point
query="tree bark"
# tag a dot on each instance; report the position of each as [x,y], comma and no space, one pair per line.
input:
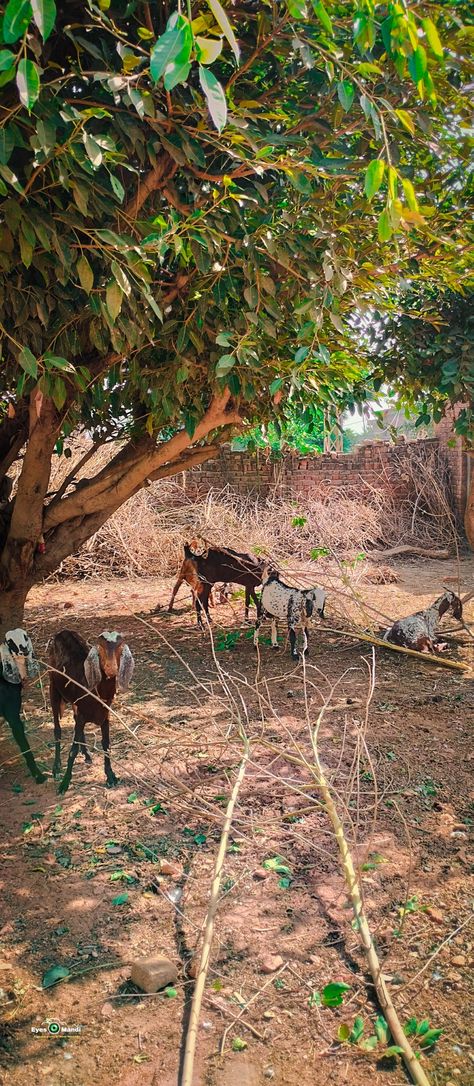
[12,607]
[469,513]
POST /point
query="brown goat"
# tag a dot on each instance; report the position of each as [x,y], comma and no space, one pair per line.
[77,668]
[203,568]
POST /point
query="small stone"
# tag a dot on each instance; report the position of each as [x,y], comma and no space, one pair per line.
[151,974]
[269,1072]
[269,1014]
[173,869]
[261,873]
[272,963]
[107,1010]
[459,959]
[456,1071]
[435,914]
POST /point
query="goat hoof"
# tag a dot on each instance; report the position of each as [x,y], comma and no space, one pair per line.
[63,787]
[56,771]
[112,781]
[88,759]
[295,656]
[40,778]
[275,648]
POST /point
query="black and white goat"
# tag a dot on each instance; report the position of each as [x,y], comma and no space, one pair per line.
[419,631]
[76,668]
[294,606]
[17,665]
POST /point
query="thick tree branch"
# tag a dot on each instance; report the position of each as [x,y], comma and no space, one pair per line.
[69,537]
[155,179]
[134,463]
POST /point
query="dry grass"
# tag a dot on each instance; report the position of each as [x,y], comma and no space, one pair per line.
[145,536]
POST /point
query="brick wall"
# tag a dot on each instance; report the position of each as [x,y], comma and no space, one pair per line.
[374,462]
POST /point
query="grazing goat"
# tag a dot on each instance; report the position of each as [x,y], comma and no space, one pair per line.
[419,631]
[203,570]
[292,605]
[103,669]
[17,665]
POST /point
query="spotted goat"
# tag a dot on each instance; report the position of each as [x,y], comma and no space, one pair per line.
[17,666]
[294,606]
[419,631]
[88,678]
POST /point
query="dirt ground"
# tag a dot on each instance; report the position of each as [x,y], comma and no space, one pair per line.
[97,878]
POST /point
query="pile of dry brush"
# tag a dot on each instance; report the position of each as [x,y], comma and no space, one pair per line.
[145,536]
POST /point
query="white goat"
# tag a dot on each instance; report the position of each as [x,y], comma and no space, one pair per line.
[291,605]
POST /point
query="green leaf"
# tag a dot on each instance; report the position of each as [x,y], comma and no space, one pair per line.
[44,15]
[93,149]
[322,15]
[59,393]
[176,72]
[7,59]
[369,1044]
[28,83]
[417,64]
[221,18]
[225,364]
[410,194]
[345,93]
[373,177]
[238,1045]
[429,1037]
[171,45]
[215,97]
[381,1029]
[7,143]
[121,899]
[113,299]
[297,9]
[55,362]
[16,19]
[85,273]
[393,1050]
[28,362]
[117,187]
[332,994]
[343,1033]
[170,992]
[57,972]
[121,278]
[384,226]
[406,120]
[223,338]
[433,38]
[208,49]
[357,1030]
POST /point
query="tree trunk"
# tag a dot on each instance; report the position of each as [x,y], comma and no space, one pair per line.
[469,514]
[12,607]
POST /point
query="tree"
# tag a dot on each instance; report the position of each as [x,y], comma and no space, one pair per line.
[187,220]
[432,340]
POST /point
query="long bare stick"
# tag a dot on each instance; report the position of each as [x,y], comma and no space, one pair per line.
[190,1049]
[425,657]
[383,995]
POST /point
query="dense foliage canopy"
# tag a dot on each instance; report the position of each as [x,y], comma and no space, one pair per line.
[192,202]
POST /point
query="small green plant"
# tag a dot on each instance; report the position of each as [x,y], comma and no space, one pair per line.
[299,522]
[227,641]
[318,552]
[277,864]
[355,1036]
[373,862]
[278,983]
[238,1045]
[422,1032]
[331,996]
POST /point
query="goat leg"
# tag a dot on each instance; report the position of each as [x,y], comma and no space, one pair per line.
[274,634]
[81,739]
[19,735]
[294,650]
[63,787]
[174,592]
[56,705]
[112,780]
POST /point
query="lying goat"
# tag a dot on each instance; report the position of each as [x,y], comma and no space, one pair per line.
[419,631]
[216,564]
[104,669]
[17,665]
[291,605]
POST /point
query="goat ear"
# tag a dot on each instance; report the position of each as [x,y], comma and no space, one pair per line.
[92,669]
[126,669]
[309,606]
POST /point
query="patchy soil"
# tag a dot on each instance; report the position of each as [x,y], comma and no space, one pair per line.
[402,774]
